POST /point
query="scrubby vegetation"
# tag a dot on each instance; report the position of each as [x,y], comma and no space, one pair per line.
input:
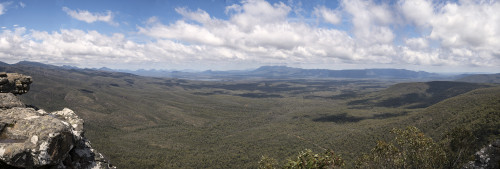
[410,148]
[142,122]
[305,159]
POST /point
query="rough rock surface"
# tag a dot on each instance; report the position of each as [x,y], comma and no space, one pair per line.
[486,158]
[8,100]
[32,138]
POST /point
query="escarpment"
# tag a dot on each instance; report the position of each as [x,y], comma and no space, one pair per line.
[33,138]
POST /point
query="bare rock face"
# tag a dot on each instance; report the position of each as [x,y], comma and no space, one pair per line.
[32,138]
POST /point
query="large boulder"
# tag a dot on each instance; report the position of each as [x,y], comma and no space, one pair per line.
[35,139]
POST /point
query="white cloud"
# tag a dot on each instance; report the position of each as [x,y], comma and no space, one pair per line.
[70,46]
[86,16]
[467,30]
[199,16]
[328,15]
[256,12]
[417,11]
[245,36]
[417,43]
[370,21]
[22,4]
[470,24]
[259,32]
[3,7]
[182,31]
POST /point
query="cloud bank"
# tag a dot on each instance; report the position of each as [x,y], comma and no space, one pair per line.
[464,33]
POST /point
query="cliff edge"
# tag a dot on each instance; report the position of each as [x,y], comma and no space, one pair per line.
[32,138]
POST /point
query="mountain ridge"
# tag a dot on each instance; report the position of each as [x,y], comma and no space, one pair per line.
[285,72]
[264,72]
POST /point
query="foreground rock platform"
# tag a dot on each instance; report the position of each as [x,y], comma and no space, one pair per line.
[32,138]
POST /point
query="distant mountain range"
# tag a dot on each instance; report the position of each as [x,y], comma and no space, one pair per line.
[284,72]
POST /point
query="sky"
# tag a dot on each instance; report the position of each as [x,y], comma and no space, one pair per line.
[436,36]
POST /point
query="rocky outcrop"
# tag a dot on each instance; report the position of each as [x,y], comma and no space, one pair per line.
[486,158]
[32,138]
[14,83]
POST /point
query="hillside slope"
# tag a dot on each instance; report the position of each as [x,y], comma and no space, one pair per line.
[477,110]
[417,94]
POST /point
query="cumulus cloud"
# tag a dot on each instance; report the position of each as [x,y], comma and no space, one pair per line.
[258,32]
[474,24]
[89,17]
[418,12]
[71,46]
[467,30]
[371,22]
[246,37]
[256,12]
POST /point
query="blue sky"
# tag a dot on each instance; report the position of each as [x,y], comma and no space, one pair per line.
[439,36]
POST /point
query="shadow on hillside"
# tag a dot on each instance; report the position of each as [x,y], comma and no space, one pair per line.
[404,100]
[345,118]
[260,95]
[339,118]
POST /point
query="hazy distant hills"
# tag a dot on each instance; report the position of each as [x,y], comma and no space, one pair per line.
[284,72]
[288,72]
[481,78]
